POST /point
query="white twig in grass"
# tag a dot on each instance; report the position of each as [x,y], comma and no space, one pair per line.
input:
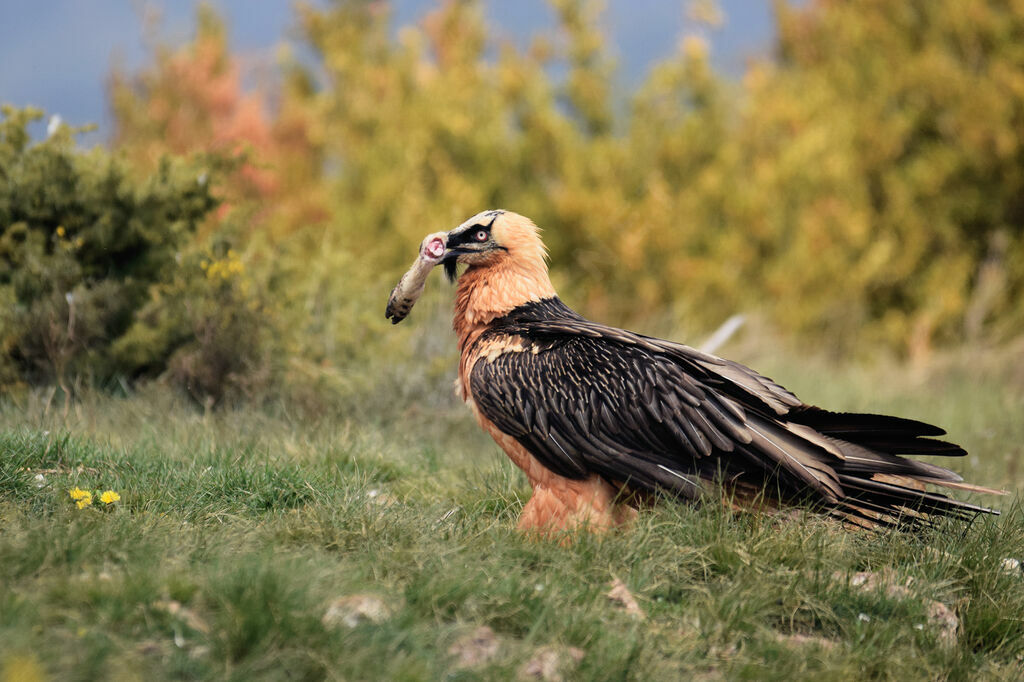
[723,334]
[447,515]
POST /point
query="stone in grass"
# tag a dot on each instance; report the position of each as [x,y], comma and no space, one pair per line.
[945,623]
[798,640]
[941,618]
[380,498]
[620,595]
[474,649]
[183,613]
[867,581]
[551,663]
[354,610]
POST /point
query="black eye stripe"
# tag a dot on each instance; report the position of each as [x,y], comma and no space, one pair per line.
[469,236]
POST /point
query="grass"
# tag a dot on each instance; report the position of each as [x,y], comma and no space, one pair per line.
[237,529]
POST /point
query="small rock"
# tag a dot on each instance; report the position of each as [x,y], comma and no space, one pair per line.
[725,652]
[941,554]
[551,663]
[800,640]
[475,648]
[380,498]
[187,615]
[39,481]
[868,581]
[898,592]
[1011,565]
[620,595]
[355,609]
[942,617]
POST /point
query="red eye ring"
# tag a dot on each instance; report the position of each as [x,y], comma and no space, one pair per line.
[481,235]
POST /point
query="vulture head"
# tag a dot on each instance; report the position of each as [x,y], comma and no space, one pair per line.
[492,238]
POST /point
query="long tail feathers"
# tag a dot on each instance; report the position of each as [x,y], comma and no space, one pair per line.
[879,488]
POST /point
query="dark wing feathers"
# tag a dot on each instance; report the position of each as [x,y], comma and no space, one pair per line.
[730,377]
[632,414]
[846,424]
[584,398]
[594,408]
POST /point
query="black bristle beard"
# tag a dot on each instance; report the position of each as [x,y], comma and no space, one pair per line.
[451,269]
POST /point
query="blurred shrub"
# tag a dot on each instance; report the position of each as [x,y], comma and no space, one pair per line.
[190,100]
[862,190]
[207,326]
[276,207]
[101,276]
[82,238]
[886,171]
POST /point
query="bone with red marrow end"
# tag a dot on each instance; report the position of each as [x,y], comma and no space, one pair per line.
[410,287]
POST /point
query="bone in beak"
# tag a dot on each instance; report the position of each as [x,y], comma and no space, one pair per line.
[410,287]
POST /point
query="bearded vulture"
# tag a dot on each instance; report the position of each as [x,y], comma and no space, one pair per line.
[600,418]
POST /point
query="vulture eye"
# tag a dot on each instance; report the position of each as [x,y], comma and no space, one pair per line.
[481,235]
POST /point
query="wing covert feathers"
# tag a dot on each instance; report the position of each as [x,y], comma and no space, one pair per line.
[656,416]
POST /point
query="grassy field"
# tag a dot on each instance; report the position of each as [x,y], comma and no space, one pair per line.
[374,541]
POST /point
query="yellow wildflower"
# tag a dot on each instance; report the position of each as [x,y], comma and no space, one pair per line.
[77,493]
[61,231]
[109,497]
[214,270]
[85,501]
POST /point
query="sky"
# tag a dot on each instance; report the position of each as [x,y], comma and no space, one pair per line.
[57,54]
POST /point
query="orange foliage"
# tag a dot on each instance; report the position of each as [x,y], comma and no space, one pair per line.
[192,100]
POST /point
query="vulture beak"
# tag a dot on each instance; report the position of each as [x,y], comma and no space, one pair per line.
[470,242]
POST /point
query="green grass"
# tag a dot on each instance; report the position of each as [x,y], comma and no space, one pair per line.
[236,530]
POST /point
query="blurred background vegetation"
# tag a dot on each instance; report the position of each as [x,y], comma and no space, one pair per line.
[859,192]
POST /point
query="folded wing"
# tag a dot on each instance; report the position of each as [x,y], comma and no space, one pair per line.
[584,398]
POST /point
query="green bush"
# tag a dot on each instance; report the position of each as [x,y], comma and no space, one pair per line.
[90,253]
[206,325]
